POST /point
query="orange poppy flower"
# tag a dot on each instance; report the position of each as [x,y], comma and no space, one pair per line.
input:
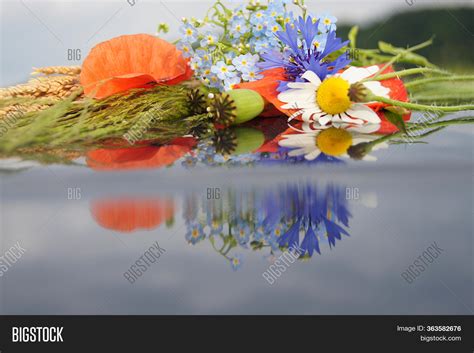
[129,214]
[139,157]
[132,61]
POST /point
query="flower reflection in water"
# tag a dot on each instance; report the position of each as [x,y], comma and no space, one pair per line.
[302,216]
[128,215]
[121,157]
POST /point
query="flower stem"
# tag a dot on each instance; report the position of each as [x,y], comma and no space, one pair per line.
[421,107]
[400,55]
[438,79]
[415,71]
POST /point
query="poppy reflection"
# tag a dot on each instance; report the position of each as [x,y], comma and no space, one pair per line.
[144,157]
[129,214]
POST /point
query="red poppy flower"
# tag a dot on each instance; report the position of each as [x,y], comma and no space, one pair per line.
[132,61]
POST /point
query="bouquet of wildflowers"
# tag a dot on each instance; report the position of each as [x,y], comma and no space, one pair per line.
[269,59]
[225,48]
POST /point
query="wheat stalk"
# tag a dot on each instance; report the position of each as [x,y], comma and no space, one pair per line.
[62,70]
[58,83]
[20,109]
[46,86]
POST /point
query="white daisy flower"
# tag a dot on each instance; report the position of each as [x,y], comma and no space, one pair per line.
[328,101]
[332,140]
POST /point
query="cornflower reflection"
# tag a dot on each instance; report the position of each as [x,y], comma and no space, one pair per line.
[299,216]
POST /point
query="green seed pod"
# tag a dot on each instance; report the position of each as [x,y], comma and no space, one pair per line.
[247,140]
[248,104]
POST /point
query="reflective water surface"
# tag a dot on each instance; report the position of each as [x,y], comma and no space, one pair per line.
[359,227]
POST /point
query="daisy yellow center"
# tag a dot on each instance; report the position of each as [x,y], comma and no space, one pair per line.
[333,141]
[333,95]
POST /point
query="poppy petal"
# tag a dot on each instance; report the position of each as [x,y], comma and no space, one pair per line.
[131,61]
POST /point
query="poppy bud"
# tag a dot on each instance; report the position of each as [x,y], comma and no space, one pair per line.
[358,92]
[248,104]
[359,151]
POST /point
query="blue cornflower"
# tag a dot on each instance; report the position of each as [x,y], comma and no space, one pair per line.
[327,23]
[334,231]
[292,236]
[189,33]
[299,59]
[236,262]
[210,39]
[194,233]
[186,49]
[244,63]
[310,242]
[222,70]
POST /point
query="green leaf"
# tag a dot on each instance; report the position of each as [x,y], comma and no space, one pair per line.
[396,119]
[406,55]
[353,35]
